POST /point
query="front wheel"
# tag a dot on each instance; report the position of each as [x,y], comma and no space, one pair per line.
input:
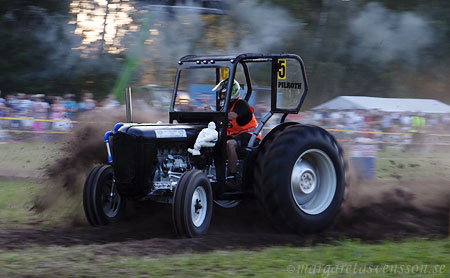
[101,202]
[303,181]
[192,204]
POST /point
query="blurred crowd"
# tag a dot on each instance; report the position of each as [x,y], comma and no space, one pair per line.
[61,110]
[383,127]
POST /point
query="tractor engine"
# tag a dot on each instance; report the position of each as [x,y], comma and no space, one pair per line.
[172,163]
[150,159]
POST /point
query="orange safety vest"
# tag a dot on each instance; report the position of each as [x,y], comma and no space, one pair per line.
[234,129]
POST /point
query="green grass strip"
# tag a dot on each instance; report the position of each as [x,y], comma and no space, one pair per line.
[413,258]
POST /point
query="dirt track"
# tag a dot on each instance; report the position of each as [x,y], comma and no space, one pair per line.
[373,211]
[151,232]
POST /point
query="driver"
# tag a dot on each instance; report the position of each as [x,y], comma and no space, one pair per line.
[242,123]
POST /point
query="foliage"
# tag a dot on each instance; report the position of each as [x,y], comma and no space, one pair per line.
[39,55]
[327,45]
[42,54]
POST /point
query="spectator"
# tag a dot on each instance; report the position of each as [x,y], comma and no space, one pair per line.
[62,126]
[405,121]
[110,102]
[386,122]
[3,110]
[57,109]
[2,100]
[87,103]
[26,111]
[59,113]
[319,117]
[14,108]
[355,120]
[2,114]
[70,104]
[40,111]
[21,106]
[446,119]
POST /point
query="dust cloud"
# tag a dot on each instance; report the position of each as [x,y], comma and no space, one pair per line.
[373,210]
[81,150]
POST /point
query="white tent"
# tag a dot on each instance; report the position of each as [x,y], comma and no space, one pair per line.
[386,104]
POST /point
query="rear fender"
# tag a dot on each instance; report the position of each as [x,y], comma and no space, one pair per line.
[250,161]
[269,136]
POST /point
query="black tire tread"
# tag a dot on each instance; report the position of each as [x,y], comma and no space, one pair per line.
[90,194]
[87,197]
[178,205]
[259,162]
[181,204]
[96,178]
[274,156]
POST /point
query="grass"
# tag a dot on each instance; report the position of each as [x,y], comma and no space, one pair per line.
[414,258]
[26,156]
[344,259]
[393,164]
[16,196]
[16,199]
[21,165]
[18,159]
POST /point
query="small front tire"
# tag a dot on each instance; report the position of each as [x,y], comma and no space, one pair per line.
[192,204]
[101,202]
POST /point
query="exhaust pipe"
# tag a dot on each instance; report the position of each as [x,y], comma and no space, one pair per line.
[129,106]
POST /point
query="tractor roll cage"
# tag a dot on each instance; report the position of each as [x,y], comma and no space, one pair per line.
[231,62]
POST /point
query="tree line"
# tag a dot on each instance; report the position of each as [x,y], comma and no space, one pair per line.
[380,48]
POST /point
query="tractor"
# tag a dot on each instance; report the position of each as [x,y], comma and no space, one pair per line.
[297,172]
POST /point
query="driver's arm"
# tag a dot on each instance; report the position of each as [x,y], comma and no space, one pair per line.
[241,113]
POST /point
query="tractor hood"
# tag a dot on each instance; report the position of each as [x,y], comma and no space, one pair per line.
[162,132]
[135,150]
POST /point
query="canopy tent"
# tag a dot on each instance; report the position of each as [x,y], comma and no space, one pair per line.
[386,104]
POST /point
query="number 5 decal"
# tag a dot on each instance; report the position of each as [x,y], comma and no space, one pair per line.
[282,69]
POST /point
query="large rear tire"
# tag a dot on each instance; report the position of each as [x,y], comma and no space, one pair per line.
[264,147]
[192,204]
[303,179]
[100,206]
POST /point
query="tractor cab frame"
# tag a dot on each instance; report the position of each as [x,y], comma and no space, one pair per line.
[284,80]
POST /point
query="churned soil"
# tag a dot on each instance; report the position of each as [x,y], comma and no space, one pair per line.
[372,211]
[150,231]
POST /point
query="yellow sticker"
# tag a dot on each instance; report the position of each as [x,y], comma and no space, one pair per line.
[281,68]
[224,73]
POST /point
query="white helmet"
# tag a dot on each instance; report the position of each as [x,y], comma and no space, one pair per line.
[222,87]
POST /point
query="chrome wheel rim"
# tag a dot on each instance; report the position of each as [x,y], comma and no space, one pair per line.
[313,181]
[199,206]
[110,201]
